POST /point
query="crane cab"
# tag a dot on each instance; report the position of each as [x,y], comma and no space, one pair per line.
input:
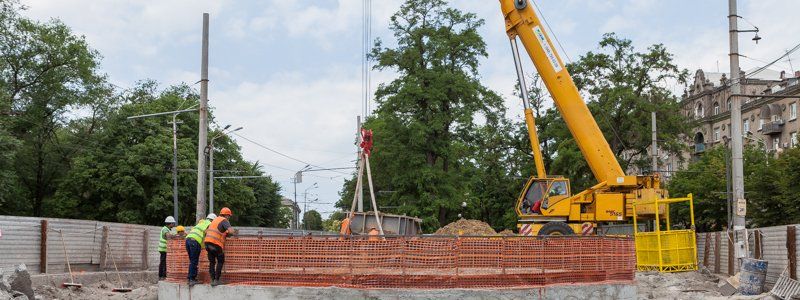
[542,195]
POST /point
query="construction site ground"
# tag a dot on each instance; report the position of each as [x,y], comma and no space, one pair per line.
[684,285]
[649,285]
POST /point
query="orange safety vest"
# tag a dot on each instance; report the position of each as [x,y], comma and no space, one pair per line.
[345,230]
[213,235]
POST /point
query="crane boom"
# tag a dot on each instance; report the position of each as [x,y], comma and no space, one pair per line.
[522,22]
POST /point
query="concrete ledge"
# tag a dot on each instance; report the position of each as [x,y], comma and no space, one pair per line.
[87,278]
[170,290]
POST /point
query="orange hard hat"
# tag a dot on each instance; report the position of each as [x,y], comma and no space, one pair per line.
[225,211]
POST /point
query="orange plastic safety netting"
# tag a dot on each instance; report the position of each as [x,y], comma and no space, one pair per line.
[416,262]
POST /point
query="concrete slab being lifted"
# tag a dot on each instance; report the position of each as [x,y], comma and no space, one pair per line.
[169,290]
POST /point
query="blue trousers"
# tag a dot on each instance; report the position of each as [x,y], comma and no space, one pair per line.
[193,248]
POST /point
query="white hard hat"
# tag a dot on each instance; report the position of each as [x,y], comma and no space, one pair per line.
[211,216]
[169,219]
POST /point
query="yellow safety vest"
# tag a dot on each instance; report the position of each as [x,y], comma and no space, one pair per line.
[198,232]
[162,243]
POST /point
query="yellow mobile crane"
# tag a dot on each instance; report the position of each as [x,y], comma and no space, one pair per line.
[546,205]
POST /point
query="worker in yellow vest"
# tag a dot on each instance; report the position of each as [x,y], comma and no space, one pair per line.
[216,233]
[194,244]
[169,222]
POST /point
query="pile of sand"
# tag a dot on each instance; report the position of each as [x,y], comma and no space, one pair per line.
[506,232]
[466,227]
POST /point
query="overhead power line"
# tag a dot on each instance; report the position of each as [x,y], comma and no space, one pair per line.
[282,154]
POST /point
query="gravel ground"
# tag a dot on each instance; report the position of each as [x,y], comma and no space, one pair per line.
[100,290]
[684,285]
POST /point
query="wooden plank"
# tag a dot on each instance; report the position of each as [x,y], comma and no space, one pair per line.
[104,248]
[717,262]
[791,248]
[43,248]
[145,241]
[757,247]
[706,248]
[731,254]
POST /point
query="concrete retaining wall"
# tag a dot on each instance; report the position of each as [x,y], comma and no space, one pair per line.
[169,290]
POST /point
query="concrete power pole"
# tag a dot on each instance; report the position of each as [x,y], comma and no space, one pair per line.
[736,131]
[655,143]
[203,139]
[175,165]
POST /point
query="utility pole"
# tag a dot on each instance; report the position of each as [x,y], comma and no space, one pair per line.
[737,167]
[175,165]
[203,136]
[174,151]
[655,142]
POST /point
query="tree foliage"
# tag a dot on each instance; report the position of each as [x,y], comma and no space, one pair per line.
[769,188]
[68,150]
[425,124]
[312,220]
[622,86]
[45,71]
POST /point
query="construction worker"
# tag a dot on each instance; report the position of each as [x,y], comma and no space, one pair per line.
[181,231]
[194,244]
[345,229]
[216,233]
[373,234]
[169,222]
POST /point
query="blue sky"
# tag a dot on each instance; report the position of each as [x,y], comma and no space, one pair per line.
[289,71]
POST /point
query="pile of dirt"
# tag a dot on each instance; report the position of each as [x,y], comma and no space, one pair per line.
[466,227]
[506,232]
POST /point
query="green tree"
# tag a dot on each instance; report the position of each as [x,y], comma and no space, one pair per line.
[45,71]
[312,220]
[426,118]
[284,218]
[334,222]
[126,176]
[622,87]
[771,189]
[705,178]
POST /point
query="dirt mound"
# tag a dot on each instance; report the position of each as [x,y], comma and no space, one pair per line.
[506,232]
[466,227]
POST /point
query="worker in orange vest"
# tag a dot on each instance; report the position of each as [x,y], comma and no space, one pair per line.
[345,229]
[374,234]
[216,233]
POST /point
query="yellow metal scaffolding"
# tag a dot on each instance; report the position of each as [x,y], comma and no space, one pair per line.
[666,250]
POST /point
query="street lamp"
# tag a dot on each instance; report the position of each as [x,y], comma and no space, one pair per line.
[211,164]
[305,202]
[298,178]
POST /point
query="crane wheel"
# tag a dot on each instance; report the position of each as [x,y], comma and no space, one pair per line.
[556,228]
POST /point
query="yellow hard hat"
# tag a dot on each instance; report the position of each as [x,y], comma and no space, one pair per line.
[180,228]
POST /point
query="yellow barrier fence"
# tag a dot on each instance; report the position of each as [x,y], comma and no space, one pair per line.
[667,249]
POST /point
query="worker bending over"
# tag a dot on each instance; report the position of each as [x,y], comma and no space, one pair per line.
[169,222]
[194,244]
[216,233]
